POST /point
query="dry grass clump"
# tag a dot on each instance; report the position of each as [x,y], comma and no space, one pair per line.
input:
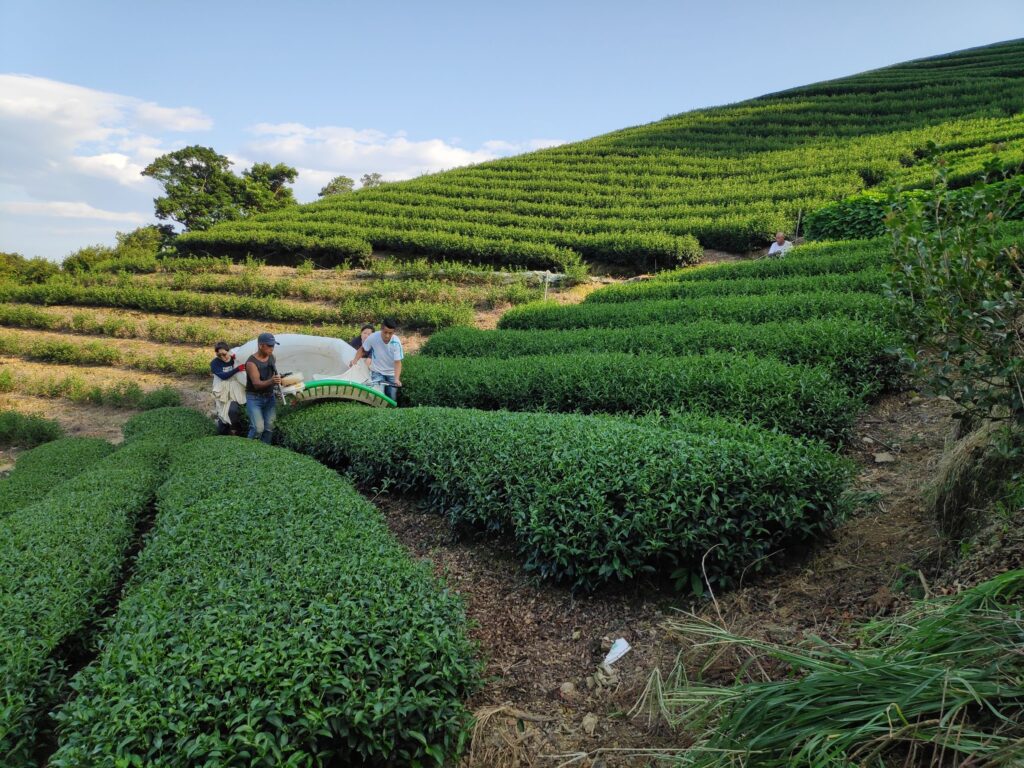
[970,476]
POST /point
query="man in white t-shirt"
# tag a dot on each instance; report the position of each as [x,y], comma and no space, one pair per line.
[780,246]
[385,352]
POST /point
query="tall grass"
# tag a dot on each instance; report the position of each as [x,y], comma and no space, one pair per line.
[943,684]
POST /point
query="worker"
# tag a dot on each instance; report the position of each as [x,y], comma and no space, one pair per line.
[261,379]
[384,349]
[228,390]
[780,246]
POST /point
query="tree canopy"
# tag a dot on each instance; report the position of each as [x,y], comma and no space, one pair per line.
[370,180]
[339,185]
[201,190]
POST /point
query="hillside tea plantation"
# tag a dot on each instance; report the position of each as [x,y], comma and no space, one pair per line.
[643,197]
[571,457]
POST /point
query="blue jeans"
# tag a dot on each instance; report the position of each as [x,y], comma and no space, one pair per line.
[388,380]
[261,410]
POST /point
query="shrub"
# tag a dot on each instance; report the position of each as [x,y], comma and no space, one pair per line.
[43,469]
[652,290]
[864,215]
[958,288]
[591,500]
[14,266]
[318,638]
[167,422]
[795,399]
[161,397]
[84,259]
[60,558]
[741,309]
[862,355]
[26,431]
[831,258]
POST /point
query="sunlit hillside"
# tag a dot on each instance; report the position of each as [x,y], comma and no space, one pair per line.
[729,176]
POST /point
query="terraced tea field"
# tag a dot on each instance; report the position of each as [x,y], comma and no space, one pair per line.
[438,583]
[642,197]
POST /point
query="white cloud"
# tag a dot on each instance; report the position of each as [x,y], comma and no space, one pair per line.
[110,165]
[61,142]
[70,210]
[172,118]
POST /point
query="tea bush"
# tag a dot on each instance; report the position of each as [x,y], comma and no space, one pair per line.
[795,399]
[83,351]
[311,638]
[589,500]
[838,257]
[123,394]
[43,469]
[862,355]
[412,315]
[61,557]
[741,309]
[167,422]
[286,248]
[864,280]
[26,431]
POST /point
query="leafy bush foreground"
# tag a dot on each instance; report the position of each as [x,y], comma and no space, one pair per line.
[41,470]
[311,638]
[61,558]
[593,500]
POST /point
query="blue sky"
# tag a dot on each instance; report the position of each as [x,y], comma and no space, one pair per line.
[91,92]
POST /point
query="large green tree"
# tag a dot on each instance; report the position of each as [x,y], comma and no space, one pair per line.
[339,185]
[201,190]
[267,187]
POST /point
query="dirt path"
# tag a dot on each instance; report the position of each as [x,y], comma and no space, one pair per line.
[546,702]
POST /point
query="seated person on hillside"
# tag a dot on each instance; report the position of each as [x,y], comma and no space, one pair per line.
[385,352]
[228,390]
[780,246]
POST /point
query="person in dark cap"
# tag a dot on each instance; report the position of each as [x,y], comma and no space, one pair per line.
[262,377]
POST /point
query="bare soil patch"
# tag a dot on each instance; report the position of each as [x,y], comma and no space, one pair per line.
[78,419]
[193,389]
